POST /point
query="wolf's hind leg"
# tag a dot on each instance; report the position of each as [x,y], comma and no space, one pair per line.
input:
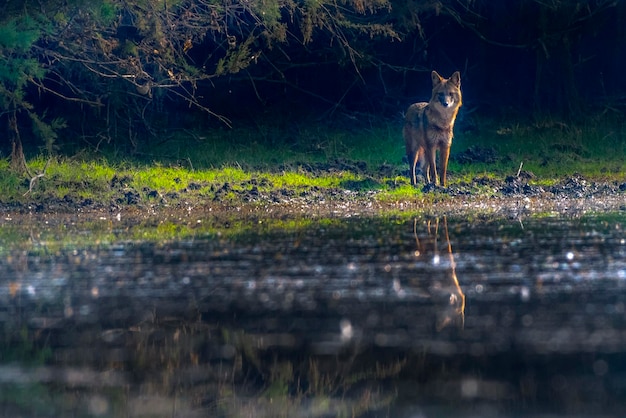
[431,165]
[413,156]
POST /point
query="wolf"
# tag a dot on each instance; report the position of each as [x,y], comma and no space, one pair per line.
[428,128]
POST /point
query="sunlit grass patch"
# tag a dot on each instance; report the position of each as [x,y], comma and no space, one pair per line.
[176,179]
[404,191]
[239,178]
[161,178]
[305,180]
[60,177]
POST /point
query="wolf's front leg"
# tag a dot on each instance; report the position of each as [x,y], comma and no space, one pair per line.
[412,157]
[444,154]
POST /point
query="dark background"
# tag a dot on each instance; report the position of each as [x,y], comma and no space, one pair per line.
[516,58]
[519,60]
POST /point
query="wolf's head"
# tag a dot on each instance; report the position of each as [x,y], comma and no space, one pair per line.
[446,91]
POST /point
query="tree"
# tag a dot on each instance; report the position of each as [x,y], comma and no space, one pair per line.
[17,68]
[121,56]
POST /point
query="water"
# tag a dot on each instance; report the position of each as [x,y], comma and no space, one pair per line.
[396,317]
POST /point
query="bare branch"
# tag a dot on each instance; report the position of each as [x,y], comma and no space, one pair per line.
[56,93]
[37,177]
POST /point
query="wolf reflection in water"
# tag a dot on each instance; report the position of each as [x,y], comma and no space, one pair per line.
[453,313]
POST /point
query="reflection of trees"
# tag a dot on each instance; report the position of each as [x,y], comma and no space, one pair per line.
[135,349]
[454,311]
[186,366]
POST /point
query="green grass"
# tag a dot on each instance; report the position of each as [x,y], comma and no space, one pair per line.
[403,190]
[271,145]
[549,148]
[275,157]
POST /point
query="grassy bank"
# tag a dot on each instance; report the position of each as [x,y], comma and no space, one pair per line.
[244,162]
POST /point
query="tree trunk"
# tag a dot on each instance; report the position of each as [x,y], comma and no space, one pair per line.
[18,160]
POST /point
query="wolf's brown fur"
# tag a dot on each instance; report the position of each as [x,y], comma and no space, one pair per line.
[428,128]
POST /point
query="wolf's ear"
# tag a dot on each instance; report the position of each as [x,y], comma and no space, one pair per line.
[437,79]
[456,79]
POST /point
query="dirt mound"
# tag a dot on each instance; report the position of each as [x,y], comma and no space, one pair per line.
[476,154]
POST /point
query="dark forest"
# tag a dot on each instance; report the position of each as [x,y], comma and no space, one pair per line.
[83,74]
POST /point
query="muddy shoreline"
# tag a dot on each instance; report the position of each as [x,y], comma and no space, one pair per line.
[511,197]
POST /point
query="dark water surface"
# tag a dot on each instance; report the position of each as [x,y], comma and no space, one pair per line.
[402,317]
